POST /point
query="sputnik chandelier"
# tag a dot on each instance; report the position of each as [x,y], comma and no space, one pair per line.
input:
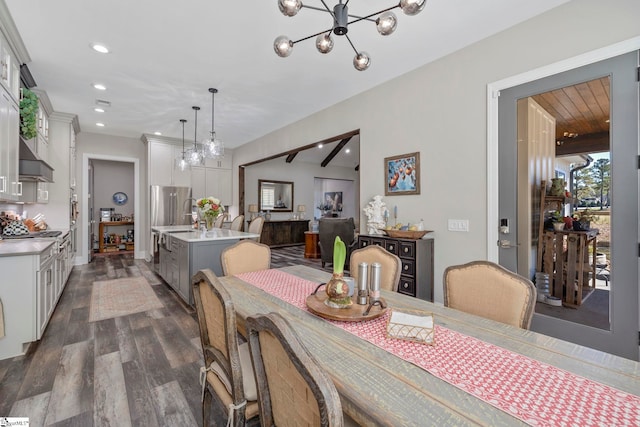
[385,20]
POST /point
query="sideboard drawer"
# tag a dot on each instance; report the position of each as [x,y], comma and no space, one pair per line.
[407,286]
[408,267]
[407,250]
[391,246]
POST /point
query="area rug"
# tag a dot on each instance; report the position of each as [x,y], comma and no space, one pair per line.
[120,297]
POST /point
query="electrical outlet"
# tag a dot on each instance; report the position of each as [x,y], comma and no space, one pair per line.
[458,225]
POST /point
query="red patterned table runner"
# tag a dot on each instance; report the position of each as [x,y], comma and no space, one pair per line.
[537,393]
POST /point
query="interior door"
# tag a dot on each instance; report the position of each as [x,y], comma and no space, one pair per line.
[621,337]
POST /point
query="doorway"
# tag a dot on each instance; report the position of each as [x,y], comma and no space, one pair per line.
[518,246]
[87,202]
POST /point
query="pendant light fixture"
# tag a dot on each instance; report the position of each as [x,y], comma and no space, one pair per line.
[194,155]
[181,161]
[213,148]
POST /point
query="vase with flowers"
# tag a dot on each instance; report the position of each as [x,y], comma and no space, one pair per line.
[210,208]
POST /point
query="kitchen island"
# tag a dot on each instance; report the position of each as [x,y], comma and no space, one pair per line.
[183,251]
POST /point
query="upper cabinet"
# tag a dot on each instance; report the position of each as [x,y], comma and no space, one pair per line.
[162,170]
[10,187]
[9,69]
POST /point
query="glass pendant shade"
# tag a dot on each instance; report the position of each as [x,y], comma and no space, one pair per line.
[181,159]
[324,43]
[412,7]
[194,155]
[386,23]
[213,148]
[361,61]
[283,46]
[289,7]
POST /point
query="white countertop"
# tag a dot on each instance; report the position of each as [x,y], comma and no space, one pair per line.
[17,247]
[212,235]
[171,228]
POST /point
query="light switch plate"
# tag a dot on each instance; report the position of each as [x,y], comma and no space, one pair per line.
[458,225]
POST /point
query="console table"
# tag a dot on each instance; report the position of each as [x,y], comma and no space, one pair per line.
[416,278]
[108,246]
[287,232]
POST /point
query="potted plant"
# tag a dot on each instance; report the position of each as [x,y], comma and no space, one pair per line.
[558,220]
[337,289]
[28,112]
[582,220]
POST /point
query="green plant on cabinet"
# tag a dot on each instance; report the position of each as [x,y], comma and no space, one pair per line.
[28,113]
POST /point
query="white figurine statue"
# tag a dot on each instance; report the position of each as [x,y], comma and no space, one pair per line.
[376,211]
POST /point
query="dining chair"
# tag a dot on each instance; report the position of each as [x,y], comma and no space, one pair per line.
[328,229]
[237,223]
[227,371]
[390,270]
[491,291]
[255,226]
[293,389]
[219,221]
[245,256]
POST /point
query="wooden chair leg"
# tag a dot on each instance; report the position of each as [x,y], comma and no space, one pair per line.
[206,407]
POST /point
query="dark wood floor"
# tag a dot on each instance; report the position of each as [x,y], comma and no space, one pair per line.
[141,369]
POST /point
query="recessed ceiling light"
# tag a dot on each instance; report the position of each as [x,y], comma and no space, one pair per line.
[98,110]
[320,145]
[100,124]
[99,86]
[348,150]
[157,133]
[100,48]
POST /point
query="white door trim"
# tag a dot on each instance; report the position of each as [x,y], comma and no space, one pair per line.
[85,199]
[493,91]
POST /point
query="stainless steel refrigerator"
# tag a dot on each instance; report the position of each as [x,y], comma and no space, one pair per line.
[171,205]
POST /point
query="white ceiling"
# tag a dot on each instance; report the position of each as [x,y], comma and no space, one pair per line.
[166,54]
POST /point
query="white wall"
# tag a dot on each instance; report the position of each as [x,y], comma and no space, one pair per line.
[111,177]
[440,110]
[349,190]
[302,174]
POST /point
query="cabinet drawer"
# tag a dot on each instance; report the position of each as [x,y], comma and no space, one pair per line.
[408,267]
[407,286]
[407,250]
[391,246]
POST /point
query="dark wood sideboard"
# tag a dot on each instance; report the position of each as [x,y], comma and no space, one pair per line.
[416,278]
[284,232]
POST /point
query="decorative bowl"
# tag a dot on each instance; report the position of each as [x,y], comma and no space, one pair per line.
[407,234]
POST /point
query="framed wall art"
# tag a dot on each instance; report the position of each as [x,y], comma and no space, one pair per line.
[402,174]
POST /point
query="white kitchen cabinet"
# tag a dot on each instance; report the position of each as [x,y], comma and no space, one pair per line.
[42,123]
[162,170]
[72,159]
[9,69]
[212,182]
[45,291]
[35,192]
[10,187]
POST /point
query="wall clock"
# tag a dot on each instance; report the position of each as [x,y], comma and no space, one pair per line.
[120,198]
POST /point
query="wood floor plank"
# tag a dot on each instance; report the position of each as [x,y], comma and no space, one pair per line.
[79,329]
[106,337]
[84,419]
[150,353]
[188,377]
[177,347]
[141,408]
[38,378]
[110,405]
[72,392]
[171,405]
[34,407]
[126,341]
[12,381]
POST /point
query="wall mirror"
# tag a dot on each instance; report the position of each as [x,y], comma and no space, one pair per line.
[276,196]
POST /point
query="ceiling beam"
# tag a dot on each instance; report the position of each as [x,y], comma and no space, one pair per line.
[292,156]
[335,151]
[589,143]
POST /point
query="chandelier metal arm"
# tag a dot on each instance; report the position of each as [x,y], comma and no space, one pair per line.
[352,46]
[359,18]
[368,17]
[312,35]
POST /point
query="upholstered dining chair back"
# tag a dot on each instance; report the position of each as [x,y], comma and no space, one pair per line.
[227,372]
[491,291]
[293,390]
[255,226]
[219,221]
[328,229]
[237,223]
[391,266]
[245,256]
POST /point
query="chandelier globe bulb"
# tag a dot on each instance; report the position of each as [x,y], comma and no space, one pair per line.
[361,61]
[324,43]
[412,7]
[289,7]
[283,46]
[386,23]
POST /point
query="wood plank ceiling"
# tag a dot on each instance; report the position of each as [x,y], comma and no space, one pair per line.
[582,116]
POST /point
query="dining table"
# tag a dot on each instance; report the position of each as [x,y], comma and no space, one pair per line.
[476,371]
